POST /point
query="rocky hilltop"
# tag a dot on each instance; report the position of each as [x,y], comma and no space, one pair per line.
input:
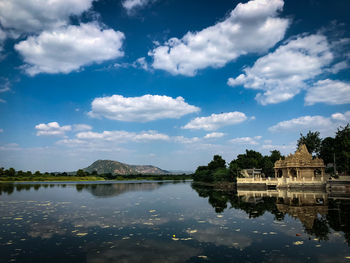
[114,167]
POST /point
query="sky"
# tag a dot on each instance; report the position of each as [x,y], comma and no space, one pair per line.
[167,82]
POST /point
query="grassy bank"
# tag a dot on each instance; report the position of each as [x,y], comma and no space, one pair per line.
[50,178]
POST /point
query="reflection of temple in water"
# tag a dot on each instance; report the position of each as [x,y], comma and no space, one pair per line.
[303,205]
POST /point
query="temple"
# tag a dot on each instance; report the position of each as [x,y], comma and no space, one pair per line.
[296,170]
[300,166]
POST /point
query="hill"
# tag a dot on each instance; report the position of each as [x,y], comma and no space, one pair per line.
[114,167]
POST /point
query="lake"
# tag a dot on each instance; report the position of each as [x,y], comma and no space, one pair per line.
[170,222]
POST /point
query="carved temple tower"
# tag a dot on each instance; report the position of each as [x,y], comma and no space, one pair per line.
[300,166]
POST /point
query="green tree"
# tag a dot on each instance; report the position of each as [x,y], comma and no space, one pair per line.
[234,170]
[312,141]
[216,163]
[11,172]
[267,167]
[80,172]
[221,174]
[251,159]
[327,150]
[37,173]
[275,156]
[342,149]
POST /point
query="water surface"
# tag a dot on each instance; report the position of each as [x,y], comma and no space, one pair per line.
[170,222]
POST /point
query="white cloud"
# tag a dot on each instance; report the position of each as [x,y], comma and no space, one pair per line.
[1,130]
[52,128]
[284,149]
[283,73]
[72,142]
[214,135]
[140,109]
[36,15]
[216,121]
[69,48]
[81,127]
[246,140]
[339,67]
[5,85]
[185,140]
[325,125]
[3,36]
[131,5]
[250,27]
[123,136]
[328,91]
[141,63]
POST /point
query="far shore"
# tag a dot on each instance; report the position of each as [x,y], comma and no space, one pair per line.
[88,179]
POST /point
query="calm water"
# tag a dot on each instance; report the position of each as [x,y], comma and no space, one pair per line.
[167,222]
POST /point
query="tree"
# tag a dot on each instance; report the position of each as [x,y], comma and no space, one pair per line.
[342,149]
[11,172]
[327,150]
[216,163]
[267,167]
[312,141]
[221,174]
[37,173]
[251,159]
[80,172]
[275,156]
[234,170]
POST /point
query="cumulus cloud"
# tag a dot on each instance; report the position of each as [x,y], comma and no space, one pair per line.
[140,109]
[325,125]
[214,135]
[216,121]
[36,15]
[52,128]
[69,48]
[185,140]
[132,5]
[328,91]
[81,127]
[283,73]
[250,27]
[123,136]
[246,140]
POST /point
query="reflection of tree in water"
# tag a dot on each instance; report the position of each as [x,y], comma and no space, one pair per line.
[320,228]
[99,190]
[339,217]
[219,199]
[318,215]
[9,188]
[109,190]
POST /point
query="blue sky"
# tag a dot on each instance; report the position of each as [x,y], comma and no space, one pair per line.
[167,82]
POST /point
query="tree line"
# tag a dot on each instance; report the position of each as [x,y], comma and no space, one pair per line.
[335,152]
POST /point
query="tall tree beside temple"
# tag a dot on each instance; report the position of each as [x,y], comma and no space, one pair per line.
[312,141]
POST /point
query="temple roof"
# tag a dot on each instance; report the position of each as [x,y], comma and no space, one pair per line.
[301,158]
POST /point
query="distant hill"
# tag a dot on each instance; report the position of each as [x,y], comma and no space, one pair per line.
[114,167]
